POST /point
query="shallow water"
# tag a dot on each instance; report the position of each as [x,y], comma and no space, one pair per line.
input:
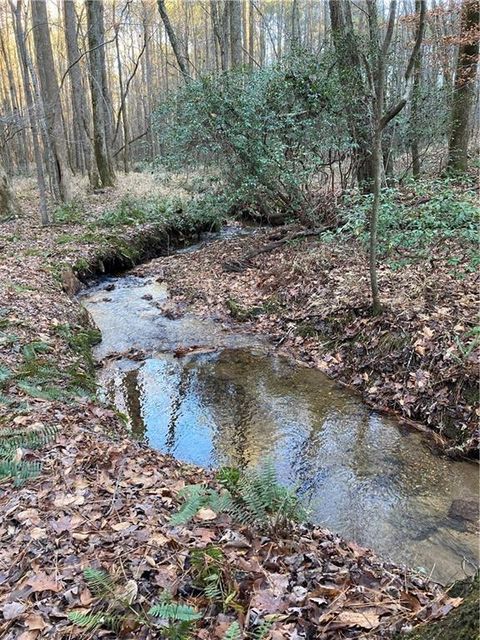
[232,401]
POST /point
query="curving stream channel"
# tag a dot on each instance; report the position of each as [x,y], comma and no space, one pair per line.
[233,401]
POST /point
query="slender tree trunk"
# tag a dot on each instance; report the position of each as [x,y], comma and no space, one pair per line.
[123,106]
[464,90]
[51,99]
[226,36]
[377,183]
[251,33]
[349,66]
[80,113]
[415,116]
[182,59]
[101,126]
[8,204]
[236,33]
[31,107]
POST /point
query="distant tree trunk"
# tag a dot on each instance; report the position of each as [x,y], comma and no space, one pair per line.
[98,89]
[31,107]
[80,113]
[22,145]
[8,204]
[415,147]
[51,99]
[464,90]
[236,33]
[295,34]
[349,66]
[251,33]
[123,106]
[182,59]
[262,42]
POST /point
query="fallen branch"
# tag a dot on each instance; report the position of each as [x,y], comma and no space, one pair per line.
[245,262]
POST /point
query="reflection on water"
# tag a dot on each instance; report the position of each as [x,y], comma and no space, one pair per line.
[360,473]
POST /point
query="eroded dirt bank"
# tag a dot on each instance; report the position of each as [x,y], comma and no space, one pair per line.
[312,297]
[103,500]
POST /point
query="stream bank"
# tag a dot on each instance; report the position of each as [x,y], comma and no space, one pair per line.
[104,500]
[215,395]
[418,360]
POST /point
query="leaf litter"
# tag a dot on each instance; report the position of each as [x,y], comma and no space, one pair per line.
[104,501]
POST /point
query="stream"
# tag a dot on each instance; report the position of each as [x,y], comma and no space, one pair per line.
[232,400]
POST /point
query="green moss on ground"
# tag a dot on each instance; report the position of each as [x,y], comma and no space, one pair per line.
[463,623]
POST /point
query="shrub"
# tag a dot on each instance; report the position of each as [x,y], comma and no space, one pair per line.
[267,134]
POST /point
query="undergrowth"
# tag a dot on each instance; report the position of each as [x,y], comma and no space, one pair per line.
[252,497]
[13,444]
[117,608]
[415,218]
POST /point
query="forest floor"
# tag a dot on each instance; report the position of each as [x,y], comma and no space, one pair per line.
[102,500]
[418,359]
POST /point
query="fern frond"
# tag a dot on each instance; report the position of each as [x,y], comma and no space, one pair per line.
[31,350]
[99,582]
[174,612]
[92,621]
[20,471]
[233,632]
[5,374]
[37,391]
[195,497]
[262,631]
[12,439]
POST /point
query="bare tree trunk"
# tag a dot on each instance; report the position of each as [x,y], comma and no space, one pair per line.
[295,28]
[251,33]
[101,127]
[226,39]
[464,91]
[8,204]
[417,76]
[236,33]
[349,65]
[182,58]
[80,114]
[51,98]
[379,53]
[31,107]
[123,106]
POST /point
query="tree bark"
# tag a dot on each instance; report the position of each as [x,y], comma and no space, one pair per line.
[101,128]
[236,33]
[182,58]
[464,89]
[51,99]
[349,66]
[80,113]
[8,204]
[31,107]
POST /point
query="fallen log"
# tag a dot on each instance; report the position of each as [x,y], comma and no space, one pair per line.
[245,262]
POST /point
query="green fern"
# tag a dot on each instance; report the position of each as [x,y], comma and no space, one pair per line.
[195,496]
[100,583]
[262,631]
[5,374]
[253,498]
[19,471]
[233,632]
[93,621]
[13,439]
[259,500]
[174,612]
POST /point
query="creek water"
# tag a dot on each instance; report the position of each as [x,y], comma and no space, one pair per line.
[233,401]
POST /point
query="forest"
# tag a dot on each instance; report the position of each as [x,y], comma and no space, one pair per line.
[239,337]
